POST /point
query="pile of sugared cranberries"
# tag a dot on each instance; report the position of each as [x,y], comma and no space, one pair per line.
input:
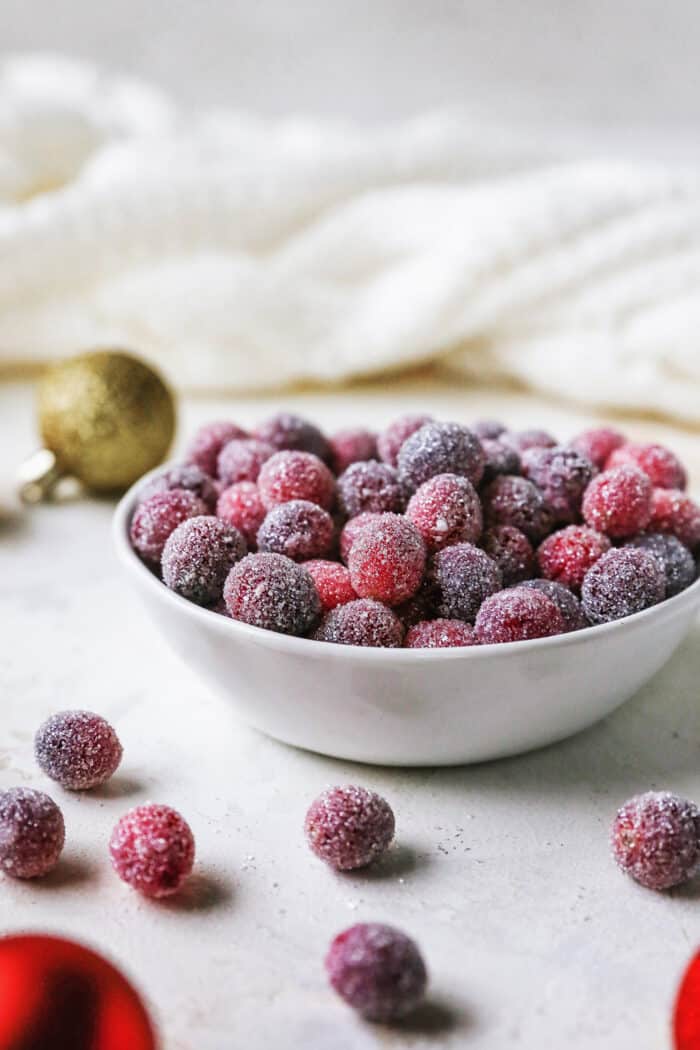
[429,534]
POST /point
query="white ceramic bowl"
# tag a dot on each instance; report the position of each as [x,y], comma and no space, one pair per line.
[413,707]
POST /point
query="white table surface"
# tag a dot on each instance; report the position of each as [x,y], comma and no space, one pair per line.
[501,871]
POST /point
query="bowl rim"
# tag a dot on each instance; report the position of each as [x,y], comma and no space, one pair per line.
[300,645]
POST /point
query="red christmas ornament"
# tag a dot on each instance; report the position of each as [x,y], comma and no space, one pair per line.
[58,995]
[686,1015]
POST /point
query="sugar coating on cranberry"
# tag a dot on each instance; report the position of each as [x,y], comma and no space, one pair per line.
[463,576]
[352,446]
[351,530]
[562,476]
[446,510]
[597,444]
[675,559]
[296,475]
[387,559]
[618,502]
[207,443]
[678,515]
[567,555]
[512,551]
[516,615]
[183,476]
[565,600]
[362,622]
[198,556]
[488,429]
[157,517]
[661,466]
[299,529]
[332,583]
[152,849]
[516,501]
[655,838]
[377,970]
[242,460]
[349,827]
[78,749]
[622,582]
[273,592]
[240,505]
[390,441]
[370,487]
[439,634]
[288,431]
[522,440]
[500,458]
[440,448]
[32,833]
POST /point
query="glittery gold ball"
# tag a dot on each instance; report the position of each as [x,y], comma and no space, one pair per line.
[107,417]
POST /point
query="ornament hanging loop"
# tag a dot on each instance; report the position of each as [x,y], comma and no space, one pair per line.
[38,477]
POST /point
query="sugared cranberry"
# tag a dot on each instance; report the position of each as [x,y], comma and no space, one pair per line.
[387,559]
[207,443]
[351,531]
[522,440]
[299,529]
[446,510]
[32,833]
[198,556]
[287,431]
[512,551]
[296,475]
[622,582]
[675,559]
[676,514]
[422,606]
[390,441]
[488,429]
[242,460]
[597,444]
[78,749]
[370,487]
[517,614]
[273,592]
[661,466]
[561,475]
[362,622]
[463,576]
[655,838]
[511,500]
[440,448]
[439,634]
[332,583]
[349,827]
[377,970]
[618,502]
[157,517]
[352,446]
[501,458]
[567,555]
[240,505]
[152,849]
[565,600]
[183,476]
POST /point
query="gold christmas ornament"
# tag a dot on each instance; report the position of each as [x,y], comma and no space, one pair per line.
[105,418]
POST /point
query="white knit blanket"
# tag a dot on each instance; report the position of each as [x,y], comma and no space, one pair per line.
[237,252]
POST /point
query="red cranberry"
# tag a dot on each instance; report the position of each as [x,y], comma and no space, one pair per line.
[387,559]
[512,552]
[391,440]
[488,429]
[597,444]
[656,839]
[561,475]
[198,557]
[332,583]
[463,576]
[157,517]
[510,500]
[377,970]
[351,531]
[618,502]
[152,849]
[567,555]
[440,448]
[352,446]
[446,510]
[676,514]
[661,466]
[566,602]
[369,487]
[78,749]
[439,634]
[240,505]
[299,529]
[287,431]
[207,443]
[32,833]
[273,592]
[242,460]
[686,1012]
[501,458]
[516,615]
[183,476]
[522,440]
[675,559]
[622,582]
[349,827]
[296,475]
[363,622]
